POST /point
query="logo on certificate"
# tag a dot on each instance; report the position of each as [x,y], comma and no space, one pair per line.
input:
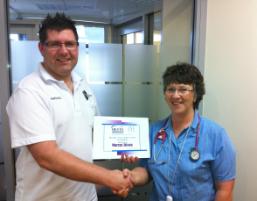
[121,136]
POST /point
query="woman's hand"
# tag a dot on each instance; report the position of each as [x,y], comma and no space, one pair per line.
[129,159]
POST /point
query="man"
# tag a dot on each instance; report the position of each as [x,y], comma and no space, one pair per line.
[51,118]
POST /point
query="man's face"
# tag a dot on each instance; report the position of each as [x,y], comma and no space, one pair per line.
[60,53]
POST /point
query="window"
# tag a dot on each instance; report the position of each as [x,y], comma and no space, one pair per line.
[157,37]
[139,37]
[17,36]
[134,38]
[130,38]
[90,34]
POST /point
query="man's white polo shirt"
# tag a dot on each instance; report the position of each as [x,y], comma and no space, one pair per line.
[43,109]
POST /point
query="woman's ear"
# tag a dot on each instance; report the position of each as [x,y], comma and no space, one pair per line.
[195,97]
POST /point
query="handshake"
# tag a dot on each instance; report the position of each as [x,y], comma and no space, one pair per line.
[123,181]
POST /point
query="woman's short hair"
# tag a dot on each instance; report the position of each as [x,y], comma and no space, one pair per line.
[184,73]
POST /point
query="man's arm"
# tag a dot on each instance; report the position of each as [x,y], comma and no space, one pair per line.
[224,190]
[49,156]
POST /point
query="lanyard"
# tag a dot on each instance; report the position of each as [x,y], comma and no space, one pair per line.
[177,162]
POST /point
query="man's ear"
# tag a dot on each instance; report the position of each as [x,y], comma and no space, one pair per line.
[41,48]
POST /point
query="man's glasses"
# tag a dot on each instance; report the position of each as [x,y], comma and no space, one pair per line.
[55,45]
[180,91]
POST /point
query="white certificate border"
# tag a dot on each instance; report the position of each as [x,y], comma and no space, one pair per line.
[98,137]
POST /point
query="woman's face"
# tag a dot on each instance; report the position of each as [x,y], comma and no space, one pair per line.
[180,98]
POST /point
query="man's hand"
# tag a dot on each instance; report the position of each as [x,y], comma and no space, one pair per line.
[121,183]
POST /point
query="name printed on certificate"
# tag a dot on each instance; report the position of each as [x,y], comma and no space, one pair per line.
[116,135]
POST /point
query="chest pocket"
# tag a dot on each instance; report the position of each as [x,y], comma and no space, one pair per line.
[158,164]
[87,108]
[160,154]
[61,111]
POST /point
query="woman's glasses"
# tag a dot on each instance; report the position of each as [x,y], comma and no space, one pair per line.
[179,90]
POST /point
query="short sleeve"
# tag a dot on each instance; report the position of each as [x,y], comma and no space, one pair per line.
[224,165]
[29,118]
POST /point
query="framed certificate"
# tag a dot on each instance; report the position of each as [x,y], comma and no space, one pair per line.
[114,136]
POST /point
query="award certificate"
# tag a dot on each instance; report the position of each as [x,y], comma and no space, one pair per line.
[114,136]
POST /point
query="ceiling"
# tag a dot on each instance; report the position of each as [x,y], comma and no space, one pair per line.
[103,11]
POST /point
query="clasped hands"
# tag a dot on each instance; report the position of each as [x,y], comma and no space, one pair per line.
[127,179]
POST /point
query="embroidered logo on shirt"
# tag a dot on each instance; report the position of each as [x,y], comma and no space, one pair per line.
[55,98]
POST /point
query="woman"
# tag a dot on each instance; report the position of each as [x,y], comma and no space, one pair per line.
[192,157]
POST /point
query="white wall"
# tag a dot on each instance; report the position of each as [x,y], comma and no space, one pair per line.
[231,82]
[177,18]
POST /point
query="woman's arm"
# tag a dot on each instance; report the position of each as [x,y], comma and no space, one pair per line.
[139,176]
[224,190]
